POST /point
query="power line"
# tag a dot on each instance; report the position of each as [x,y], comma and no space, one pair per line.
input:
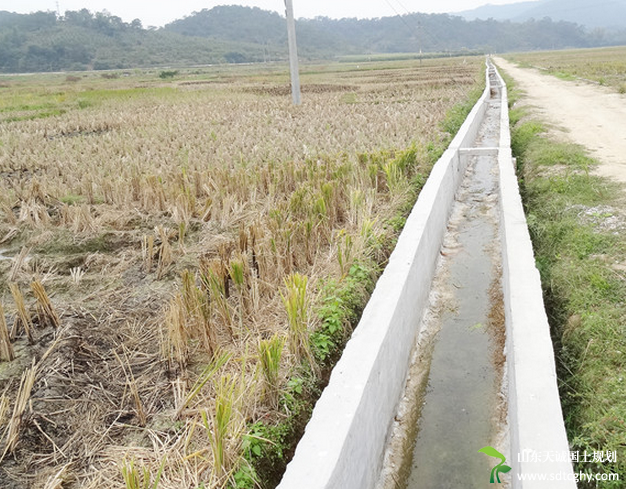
[392,7]
[402,5]
[402,16]
[410,27]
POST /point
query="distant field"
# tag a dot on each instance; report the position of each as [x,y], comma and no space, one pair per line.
[182,253]
[606,66]
[405,56]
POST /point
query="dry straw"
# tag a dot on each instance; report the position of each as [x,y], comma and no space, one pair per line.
[45,310]
[134,390]
[60,478]
[4,406]
[23,317]
[19,409]
[199,313]
[176,348]
[7,353]
[165,252]
[207,375]
[147,249]
[18,263]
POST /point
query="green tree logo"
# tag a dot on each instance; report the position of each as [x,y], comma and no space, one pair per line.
[495,472]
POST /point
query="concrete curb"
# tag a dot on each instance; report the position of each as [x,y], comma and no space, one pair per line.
[344,442]
[535,417]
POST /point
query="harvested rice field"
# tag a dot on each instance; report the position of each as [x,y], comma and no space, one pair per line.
[184,254]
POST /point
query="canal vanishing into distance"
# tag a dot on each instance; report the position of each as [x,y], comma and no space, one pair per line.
[454,403]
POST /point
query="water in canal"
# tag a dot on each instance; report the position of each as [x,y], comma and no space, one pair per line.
[455,384]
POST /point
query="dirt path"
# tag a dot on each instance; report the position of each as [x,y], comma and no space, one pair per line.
[589,115]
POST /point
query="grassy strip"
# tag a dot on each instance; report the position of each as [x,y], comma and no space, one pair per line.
[579,249]
[268,446]
[604,66]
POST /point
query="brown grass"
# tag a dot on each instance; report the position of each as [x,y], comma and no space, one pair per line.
[7,353]
[45,310]
[19,409]
[23,317]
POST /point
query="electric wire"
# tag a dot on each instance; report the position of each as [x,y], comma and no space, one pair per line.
[416,29]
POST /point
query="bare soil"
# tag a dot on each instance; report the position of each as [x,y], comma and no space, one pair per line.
[590,115]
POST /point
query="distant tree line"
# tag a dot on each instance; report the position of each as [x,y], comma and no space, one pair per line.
[82,40]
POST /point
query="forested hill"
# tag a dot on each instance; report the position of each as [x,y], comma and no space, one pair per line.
[83,40]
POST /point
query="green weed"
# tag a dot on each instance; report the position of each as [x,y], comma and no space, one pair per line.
[565,76]
[340,307]
[547,153]
[223,426]
[296,303]
[168,74]
[522,136]
[270,354]
[136,479]
[72,199]
[349,98]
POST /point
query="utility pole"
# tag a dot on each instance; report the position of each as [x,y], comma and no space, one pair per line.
[419,36]
[293,53]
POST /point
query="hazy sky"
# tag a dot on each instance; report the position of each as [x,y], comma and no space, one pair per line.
[158,13]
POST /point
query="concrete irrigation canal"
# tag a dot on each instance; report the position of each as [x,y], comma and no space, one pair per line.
[453,352]
[446,416]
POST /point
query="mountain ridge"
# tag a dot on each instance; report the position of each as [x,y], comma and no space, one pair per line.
[605,14]
[81,40]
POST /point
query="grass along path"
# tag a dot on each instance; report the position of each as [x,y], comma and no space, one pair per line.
[578,226]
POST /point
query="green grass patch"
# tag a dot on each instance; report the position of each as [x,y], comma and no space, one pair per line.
[72,199]
[37,115]
[523,135]
[349,98]
[63,243]
[24,106]
[555,153]
[87,98]
[564,76]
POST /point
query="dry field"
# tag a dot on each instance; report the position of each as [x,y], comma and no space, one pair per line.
[169,251]
[606,66]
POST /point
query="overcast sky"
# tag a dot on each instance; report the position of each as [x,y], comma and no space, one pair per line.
[158,13]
